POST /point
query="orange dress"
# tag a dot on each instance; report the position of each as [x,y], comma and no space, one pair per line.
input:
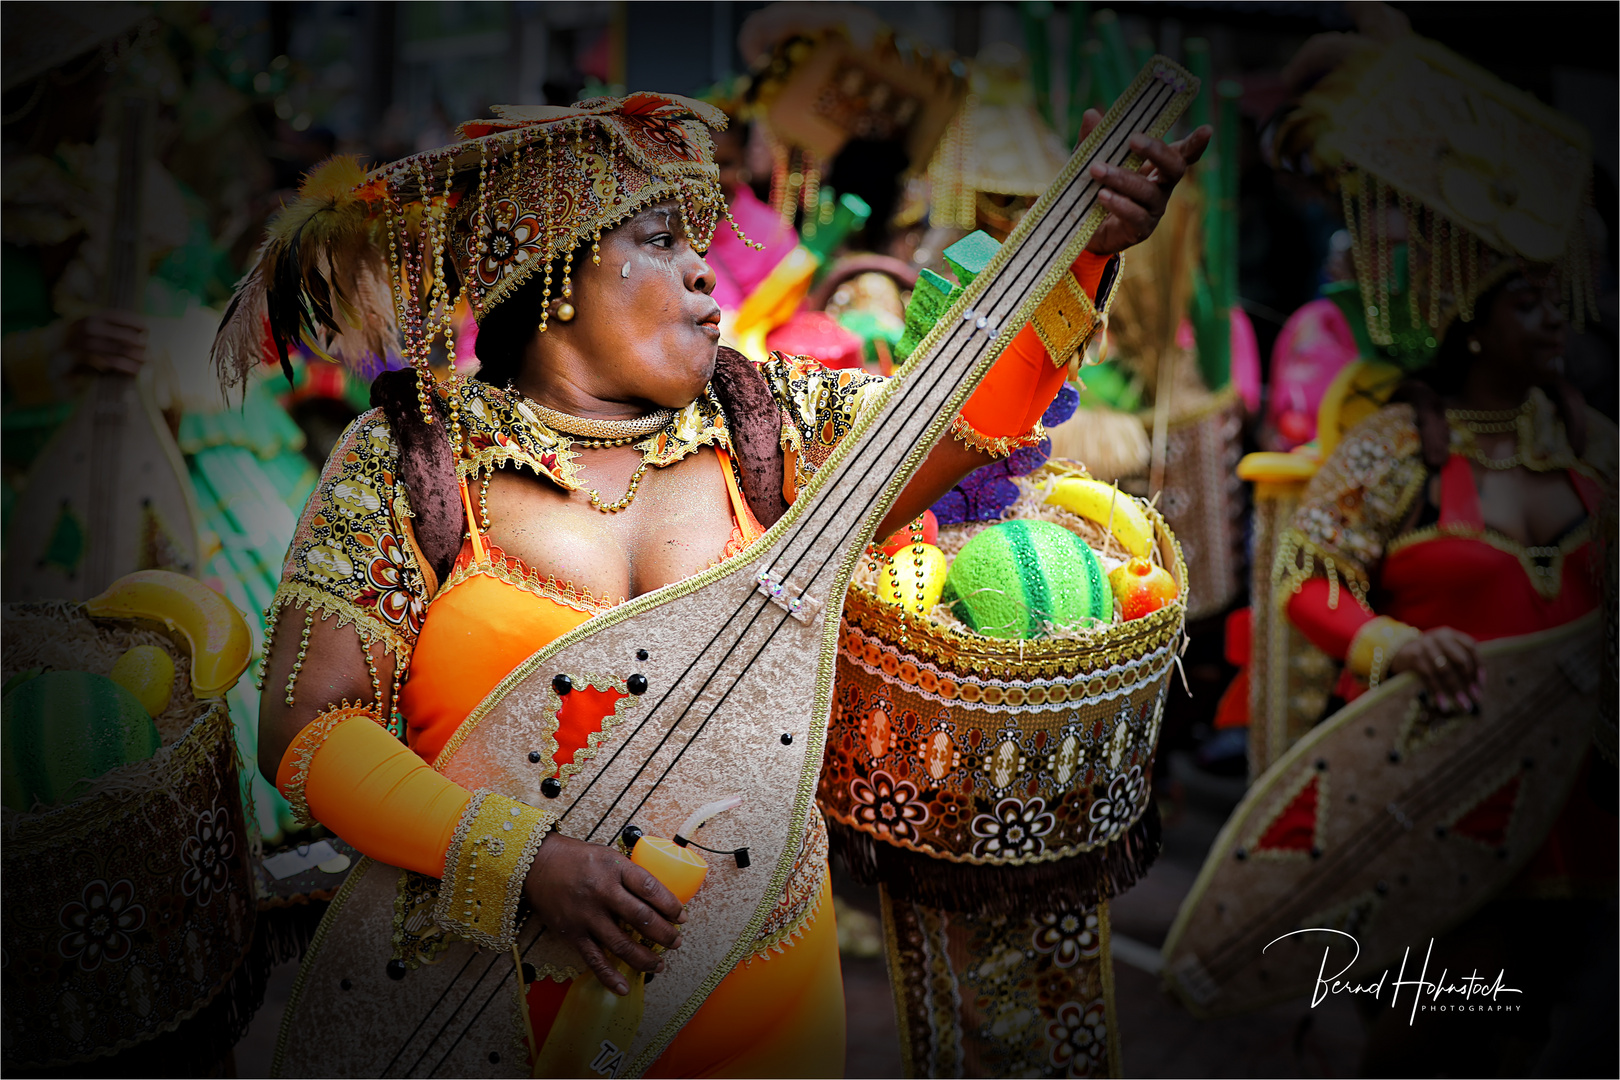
[777,1014]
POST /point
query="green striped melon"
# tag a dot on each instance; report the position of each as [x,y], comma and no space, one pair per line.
[1016,576]
[63,729]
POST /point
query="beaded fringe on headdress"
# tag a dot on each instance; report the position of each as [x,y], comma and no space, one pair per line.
[1486,180]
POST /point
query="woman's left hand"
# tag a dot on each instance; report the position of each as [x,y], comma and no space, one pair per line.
[1135,200]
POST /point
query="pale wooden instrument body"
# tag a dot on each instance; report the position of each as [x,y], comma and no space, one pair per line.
[1394,859]
[730,671]
[112,473]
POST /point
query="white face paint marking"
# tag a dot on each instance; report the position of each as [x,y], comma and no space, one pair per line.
[624,271]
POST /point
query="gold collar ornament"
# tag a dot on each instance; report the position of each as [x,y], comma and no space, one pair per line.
[1540,442]
[614,432]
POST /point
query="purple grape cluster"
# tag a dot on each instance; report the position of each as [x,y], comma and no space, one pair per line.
[984,494]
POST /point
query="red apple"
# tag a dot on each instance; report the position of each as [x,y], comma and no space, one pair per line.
[904,537]
[1141,587]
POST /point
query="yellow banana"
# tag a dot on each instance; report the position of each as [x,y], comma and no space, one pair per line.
[1105,504]
[214,629]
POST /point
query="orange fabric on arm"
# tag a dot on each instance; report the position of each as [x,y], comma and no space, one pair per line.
[374,792]
[1017,390]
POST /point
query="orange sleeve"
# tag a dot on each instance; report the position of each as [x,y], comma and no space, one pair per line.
[1019,388]
[355,778]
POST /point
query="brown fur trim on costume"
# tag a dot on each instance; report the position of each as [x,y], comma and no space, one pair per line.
[427,468]
[1080,881]
[755,420]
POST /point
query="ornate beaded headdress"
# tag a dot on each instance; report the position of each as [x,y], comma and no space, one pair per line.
[365,267]
[997,144]
[1486,177]
[818,89]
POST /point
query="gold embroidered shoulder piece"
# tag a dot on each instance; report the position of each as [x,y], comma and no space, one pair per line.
[819,406]
[348,558]
[1353,507]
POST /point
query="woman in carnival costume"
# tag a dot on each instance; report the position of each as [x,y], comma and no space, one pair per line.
[606,447]
[1474,507]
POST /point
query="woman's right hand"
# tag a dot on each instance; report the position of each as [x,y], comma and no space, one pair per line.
[588,893]
[1447,662]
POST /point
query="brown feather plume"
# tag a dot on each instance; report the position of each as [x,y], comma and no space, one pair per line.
[321,280]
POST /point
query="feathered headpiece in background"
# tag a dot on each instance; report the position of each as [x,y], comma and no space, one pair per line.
[365,267]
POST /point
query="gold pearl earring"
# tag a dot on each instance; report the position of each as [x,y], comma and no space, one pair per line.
[565,312]
[1475,347]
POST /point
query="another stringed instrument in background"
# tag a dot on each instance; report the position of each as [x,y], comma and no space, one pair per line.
[727,679]
[109,494]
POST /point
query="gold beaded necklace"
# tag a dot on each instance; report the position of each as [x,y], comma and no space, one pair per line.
[1469,424]
[593,434]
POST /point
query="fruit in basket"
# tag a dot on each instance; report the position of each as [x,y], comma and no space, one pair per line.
[1140,587]
[1110,507]
[65,728]
[913,578]
[1016,577]
[147,672]
[906,535]
[215,631]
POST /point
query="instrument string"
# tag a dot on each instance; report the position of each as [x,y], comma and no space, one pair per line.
[500,986]
[388,1070]
[940,368]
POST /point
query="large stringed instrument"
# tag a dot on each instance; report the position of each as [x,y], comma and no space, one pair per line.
[728,676]
[109,493]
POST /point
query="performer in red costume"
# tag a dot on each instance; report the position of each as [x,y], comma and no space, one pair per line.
[1471,507]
